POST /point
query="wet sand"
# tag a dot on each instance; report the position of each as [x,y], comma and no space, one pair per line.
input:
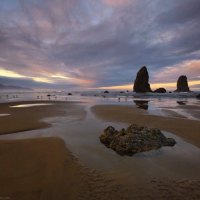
[44,169]
[185,128]
[35,169]
[30,118]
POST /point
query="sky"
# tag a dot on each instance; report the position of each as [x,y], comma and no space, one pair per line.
[98,44]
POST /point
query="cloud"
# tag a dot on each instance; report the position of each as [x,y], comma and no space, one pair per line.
[116,2]
[171,73]
[10,74]
[98,43]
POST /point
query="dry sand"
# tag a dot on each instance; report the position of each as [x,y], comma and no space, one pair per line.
[188,129]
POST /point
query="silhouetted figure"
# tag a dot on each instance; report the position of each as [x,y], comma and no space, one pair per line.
[49,96]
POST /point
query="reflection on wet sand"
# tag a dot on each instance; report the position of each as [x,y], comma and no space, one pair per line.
[181,102]
[142,104]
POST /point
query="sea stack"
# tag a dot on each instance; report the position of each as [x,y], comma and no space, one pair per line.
[141,83]
[182,84]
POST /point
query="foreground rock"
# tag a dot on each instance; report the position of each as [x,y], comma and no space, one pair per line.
[141,83]
[160,90]
[134,139]
[182,84]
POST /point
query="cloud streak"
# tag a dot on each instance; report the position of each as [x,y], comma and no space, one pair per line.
[85,43]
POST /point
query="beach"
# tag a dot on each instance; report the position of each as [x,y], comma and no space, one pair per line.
[51,150]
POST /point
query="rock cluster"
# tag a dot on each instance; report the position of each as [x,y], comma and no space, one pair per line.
[160,90]
[182,84]
[141,83]
[134,139]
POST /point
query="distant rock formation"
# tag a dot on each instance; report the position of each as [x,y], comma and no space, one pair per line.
[141,83]
[160,90]
[106,92]
[134,139]
[182,84]
[198,96]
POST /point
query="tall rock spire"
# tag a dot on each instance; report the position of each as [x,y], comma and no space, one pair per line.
[141,83]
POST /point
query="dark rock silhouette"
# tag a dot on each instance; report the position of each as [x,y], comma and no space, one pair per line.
[134,139]
[141,83]
[160,90]
[198,96]
[106,92]
[69,94]
[182,84]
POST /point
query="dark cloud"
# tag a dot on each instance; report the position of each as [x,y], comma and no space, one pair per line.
[104,43]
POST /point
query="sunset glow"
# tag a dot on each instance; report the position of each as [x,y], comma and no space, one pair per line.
[10,74]
[153,86]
